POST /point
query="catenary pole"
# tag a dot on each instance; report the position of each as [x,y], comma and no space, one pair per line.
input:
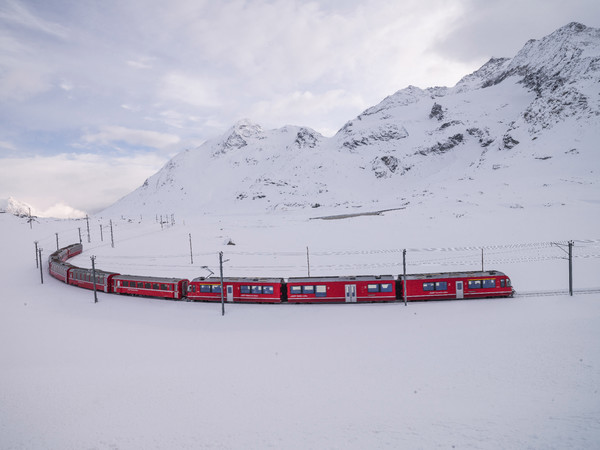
[571,268]
[41,269]
[93,258]
[404,275]
[101,234]
[87,220]
[112,238]
[221,273]
[308,261]
[36,254]
[79,234]
[191,253]
[56,241]
[569,253]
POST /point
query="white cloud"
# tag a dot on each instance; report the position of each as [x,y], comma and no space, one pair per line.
[60,211]
[7,145]
[192,90]
[144,138]
[299,107]
[15,12]
[142,63]
[83,182]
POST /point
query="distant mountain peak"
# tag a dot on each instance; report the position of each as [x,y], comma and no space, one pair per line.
[13,206]
[239,135]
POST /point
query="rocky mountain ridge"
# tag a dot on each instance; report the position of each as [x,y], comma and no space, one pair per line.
[483,138]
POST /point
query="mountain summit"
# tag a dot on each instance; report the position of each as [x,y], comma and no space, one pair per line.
[517,132]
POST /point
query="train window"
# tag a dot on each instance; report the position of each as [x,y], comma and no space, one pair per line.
[503,283]
[139,284]
[321,291]
[474,284]
[429,286]
[191,288]
[268,290]
[256,289]
[296,290]
[441,286]
[205,288]
[387,287]
[245,289]
[155,286]
[308,289]
[164,287]
[488,284]
[216,288]
[147,286]
[372,288]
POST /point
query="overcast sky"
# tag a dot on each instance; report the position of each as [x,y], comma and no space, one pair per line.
[95,96]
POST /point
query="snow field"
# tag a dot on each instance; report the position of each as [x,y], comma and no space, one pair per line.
[139,373]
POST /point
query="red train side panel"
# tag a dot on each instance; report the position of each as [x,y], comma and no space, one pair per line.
[174,288]
[84,278]
[341,289]
[456,285]
[251,290]
[59,269]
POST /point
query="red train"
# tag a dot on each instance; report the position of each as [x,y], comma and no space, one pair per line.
[351,289]
[171,288]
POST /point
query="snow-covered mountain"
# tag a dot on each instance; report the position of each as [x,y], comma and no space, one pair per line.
[13,206]
[518,132]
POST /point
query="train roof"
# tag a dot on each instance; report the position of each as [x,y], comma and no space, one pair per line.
[239,280]
[150,279]
[341,279]
[98,271]
[465,274]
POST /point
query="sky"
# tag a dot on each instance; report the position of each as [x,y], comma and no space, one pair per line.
[96,96]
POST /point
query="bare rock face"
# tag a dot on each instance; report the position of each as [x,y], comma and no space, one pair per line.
[436,112]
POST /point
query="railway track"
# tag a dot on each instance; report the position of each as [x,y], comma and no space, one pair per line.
[520,294]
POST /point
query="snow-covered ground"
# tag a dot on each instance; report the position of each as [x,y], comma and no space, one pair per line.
[130,373]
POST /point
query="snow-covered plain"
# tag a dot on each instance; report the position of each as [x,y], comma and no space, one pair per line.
[130,373]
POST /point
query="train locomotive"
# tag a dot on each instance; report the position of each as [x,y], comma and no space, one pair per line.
[336,289]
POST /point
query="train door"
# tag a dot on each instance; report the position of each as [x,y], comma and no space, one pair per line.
[229,293]
[350,293]
[459,290]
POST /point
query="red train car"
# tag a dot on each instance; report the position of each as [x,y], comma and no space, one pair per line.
[251,290]
[59,269]
[172,288]
[456,285]
[341,289]
[84,278]
[72,250]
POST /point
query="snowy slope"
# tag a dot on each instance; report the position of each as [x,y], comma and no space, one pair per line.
[523,125]
[133,373]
